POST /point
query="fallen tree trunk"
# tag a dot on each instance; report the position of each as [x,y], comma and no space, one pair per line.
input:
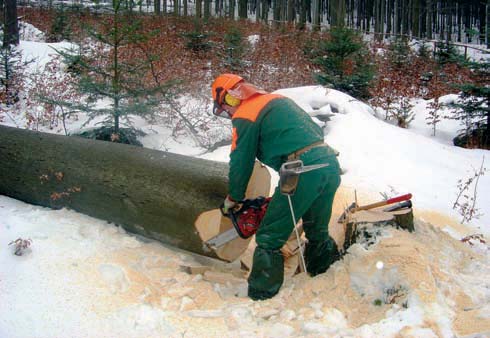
[153,193]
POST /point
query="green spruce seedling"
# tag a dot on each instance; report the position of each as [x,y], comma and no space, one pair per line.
[115,77]
[344,63]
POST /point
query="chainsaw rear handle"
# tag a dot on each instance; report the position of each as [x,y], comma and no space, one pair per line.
[238,206]
[221,208]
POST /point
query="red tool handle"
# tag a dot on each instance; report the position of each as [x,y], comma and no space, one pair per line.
[399,199]
[383,203]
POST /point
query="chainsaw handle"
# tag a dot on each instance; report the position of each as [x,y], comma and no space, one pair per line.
[237,206]
[221,208]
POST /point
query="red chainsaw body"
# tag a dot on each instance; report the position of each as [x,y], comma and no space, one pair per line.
[247,219]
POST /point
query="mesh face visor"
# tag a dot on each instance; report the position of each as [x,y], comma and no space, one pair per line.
[217,109]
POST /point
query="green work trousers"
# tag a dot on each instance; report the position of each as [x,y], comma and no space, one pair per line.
[312,202]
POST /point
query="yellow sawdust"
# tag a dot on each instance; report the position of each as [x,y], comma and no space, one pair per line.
[469,319]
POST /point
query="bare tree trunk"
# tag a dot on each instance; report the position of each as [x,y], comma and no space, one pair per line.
[156,194]
[389,10]
[487,33]
[378,19]
[11,24]
[264,10]
[291,15]
[302,14]
[382,17]
[176,7]
[429,19]
[156,7]
[449,21]
[458,22]
[198,8]
[231,13]
[276,11]
[396,20]
[315,8]
[405,17]
[416,18]
[337,9]
[207,9]
[242,9]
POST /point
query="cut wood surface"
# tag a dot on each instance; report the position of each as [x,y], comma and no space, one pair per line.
[156,194]
[402,218]
[211,223]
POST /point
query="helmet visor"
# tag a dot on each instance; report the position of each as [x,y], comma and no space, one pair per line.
[220,112]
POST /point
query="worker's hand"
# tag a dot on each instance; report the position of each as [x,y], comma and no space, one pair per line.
[228,204]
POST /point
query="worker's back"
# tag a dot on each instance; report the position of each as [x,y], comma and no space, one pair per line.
[284,128]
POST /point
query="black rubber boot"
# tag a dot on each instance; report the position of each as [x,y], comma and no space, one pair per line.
[319,255]
[267,274]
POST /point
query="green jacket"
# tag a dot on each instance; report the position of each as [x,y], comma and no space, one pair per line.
[267,127]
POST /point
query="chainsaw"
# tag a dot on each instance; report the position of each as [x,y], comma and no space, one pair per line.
[245,218]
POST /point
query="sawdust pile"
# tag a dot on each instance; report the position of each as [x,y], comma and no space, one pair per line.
[425,276]
[98,279]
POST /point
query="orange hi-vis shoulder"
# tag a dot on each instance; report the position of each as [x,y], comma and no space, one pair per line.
[234,138]
[250,109]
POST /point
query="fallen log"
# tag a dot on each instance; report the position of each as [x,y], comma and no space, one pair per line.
[157,194]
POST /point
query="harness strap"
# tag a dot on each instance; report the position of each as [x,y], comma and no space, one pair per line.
[296,154]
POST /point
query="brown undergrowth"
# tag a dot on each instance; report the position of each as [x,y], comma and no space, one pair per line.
[278,58]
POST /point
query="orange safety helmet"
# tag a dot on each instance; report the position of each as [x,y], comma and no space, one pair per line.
[220,87]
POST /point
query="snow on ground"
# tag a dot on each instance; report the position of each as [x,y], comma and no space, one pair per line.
[84,277]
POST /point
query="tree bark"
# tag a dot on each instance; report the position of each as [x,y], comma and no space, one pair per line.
[198,8]
[315,9]
[429,20]
[231,13]
[243,9]
[264,10]
[157,194]
[416,18]
[11,24]
[291,15]
[487,29]
[157,7]
[396,19]
[176,7]
[207,9]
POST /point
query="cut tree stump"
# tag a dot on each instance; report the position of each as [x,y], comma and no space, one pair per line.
[402,218]
[153,193]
